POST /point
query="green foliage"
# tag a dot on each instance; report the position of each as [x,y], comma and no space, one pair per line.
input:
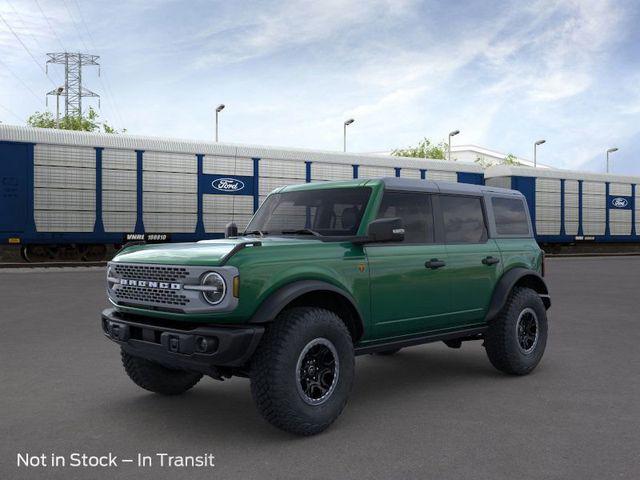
[424,149]
[510,159]
[86,123]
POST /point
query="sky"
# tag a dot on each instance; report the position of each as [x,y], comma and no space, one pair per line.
[291,71]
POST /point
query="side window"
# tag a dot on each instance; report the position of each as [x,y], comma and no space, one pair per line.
[510,215]
[463,219]
[415,211]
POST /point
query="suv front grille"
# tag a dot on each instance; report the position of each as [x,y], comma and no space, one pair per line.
[153,273]
[154,295]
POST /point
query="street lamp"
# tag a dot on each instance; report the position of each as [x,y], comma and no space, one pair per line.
[344,136]
[535,152]
[218,110]
[611,150]
[451,134]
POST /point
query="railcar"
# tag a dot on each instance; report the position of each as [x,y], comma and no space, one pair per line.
[74,195]
[569,207]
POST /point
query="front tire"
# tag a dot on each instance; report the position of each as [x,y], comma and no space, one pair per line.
[156,378]
[303,369]
[516,339]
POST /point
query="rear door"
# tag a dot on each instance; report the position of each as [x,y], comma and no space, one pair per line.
[474,261]
[408,297]
[13,186]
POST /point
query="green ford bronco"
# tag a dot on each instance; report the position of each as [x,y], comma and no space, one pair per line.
[325,272]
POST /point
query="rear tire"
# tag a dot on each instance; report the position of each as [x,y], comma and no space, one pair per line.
[302,371]
[156,378]
[516,339]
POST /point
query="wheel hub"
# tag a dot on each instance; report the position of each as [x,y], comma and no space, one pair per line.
[527,330]
[317,371]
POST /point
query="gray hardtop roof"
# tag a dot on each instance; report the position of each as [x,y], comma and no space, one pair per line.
[410,184]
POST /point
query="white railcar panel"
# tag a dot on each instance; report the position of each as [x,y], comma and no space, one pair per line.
[64,156]
[119,201]
[410,173]
[170,222]
[594,215]
[331,171]
[571,186]
[64,199]
[500,182]
[571,228]
[119,159]
[169,182]
[368,171]
[547,227]
[547,213]
[64,221]
[119,180]
[571,214]
[64,177]
[593,188]
[594,201]
[548,199]
[170,202]
[270,168]
[227,204]
[547,185]
[571,200]
[119,221]
[213,164]
[593,228]
[217,223]
[442,176]
[619,221]
[169,162]
[266,185]
[620,189]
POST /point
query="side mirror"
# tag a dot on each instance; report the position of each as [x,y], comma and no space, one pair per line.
[385,230]
[230,230]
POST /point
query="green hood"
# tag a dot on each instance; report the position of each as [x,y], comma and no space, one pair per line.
[206,252]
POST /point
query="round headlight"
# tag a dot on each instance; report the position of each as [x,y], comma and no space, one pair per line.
[110,280]
[215,288]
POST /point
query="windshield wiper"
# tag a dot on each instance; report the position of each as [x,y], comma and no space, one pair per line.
[255,232]
[303,231]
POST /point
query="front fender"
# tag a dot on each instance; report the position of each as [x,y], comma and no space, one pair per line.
[510,279]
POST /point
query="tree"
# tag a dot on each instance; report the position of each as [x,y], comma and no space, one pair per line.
[509,159]
[86,123]
[424,149]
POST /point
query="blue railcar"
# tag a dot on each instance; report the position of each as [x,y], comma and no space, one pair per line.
[74,193]
[570,207]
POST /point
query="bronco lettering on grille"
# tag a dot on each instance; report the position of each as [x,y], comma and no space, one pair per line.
[150,284]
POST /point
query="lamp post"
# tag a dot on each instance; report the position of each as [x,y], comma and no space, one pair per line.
[535,152]
[611,150]
[219,108]
[451,134]
[344,135]
[59,91]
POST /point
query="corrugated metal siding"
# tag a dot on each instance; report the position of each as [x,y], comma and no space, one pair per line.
[64,188]
[331,171]
[547,206]
[500,182]
[410,173]
[571,207]
[367,171]
[221,209]
[594,204]
[443,176]
[227,165]
[119,194]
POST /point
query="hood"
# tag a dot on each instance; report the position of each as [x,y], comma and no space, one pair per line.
[205,252]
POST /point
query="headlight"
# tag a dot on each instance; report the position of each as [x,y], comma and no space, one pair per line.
[111,281]
[214,288]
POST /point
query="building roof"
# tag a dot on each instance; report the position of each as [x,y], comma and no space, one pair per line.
[510,171]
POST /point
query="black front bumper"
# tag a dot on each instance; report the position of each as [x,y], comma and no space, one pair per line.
[182,346]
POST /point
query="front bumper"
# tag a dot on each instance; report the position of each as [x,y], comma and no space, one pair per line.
[182,346]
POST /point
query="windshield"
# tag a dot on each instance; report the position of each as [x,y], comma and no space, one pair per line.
[325,212]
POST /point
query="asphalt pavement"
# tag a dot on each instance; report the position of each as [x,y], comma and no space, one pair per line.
[427,412]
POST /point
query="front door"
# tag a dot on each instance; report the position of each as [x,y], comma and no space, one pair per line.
[474,262]
[410,292]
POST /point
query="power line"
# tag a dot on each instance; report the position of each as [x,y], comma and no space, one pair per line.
[21,81]
[75,26]
[27,49]
[11,112]
[50,26]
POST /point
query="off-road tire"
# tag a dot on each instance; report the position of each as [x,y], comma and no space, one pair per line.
[502,341]
[156,378]
[274,370]
[386,353]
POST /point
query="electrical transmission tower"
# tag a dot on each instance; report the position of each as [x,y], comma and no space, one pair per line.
[73,91]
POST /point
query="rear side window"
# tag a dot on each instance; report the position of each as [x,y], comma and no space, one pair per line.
[463,219]
[510,215]
[414,209]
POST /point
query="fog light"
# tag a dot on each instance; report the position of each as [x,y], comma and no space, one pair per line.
[201,344]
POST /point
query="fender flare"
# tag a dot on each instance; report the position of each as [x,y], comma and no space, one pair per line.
[508,281]
[278,300]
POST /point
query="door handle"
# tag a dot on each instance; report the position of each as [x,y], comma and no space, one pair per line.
[434,263]
[490,260]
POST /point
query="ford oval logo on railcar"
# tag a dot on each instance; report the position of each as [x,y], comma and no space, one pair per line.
[228,184]
[619,202]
